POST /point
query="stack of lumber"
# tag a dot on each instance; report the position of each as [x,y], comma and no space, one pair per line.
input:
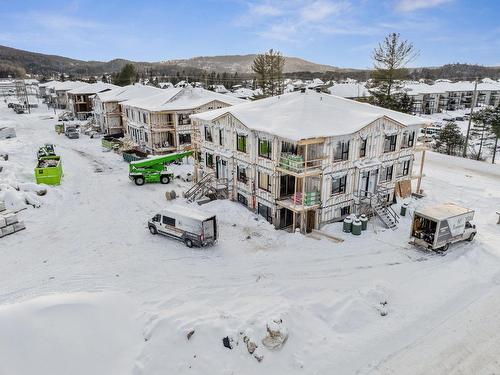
[9,222]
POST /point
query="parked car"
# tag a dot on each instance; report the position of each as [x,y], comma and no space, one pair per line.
[436,227]
[193,227]
[72,133]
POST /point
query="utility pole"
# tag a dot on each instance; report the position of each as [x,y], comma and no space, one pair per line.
[470,118]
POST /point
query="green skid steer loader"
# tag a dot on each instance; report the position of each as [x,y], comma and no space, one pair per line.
[154,169]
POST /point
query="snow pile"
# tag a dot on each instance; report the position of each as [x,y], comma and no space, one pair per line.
[74,334]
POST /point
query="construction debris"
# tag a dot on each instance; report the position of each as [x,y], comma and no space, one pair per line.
[227,342]
[277,335]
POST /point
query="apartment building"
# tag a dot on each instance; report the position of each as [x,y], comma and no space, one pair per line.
[160,123]
[108,111]
[80,99]
[301,159]
[451,96]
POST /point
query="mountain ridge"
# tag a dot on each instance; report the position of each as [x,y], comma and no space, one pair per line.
[16,62]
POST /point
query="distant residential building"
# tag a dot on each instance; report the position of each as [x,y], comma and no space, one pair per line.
[160,123]
[350,90]
[444,95]
[108,111]
[80,99]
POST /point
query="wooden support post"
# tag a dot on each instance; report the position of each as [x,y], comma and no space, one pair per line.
[422,161]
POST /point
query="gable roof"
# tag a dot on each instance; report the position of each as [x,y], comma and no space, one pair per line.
[92,88]
[349,90]
[180,98]
[129,92]
[302,115]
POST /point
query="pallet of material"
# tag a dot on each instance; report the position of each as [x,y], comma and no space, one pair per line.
[9,222]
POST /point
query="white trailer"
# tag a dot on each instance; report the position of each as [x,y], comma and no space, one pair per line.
[193,227]
[436,227]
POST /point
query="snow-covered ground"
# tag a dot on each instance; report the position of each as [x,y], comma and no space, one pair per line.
[85,289]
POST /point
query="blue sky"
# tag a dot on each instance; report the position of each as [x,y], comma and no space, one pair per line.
[336,32]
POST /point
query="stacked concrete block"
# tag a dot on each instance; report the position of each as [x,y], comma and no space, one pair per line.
[9,222]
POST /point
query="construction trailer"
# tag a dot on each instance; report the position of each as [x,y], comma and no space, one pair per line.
[436,227]
[49,170]
[193,227]
[155,169]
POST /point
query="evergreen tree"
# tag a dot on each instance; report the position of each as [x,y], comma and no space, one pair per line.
[62,78]
[127,75]
[104,78]
[450,138]
[236,79]
[268,69]
[389,59]
[487,125]
[404,103]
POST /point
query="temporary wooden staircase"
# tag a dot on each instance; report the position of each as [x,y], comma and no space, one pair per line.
[375,204]
[208,186]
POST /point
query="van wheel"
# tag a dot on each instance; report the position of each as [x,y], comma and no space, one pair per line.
[152,229]
[471,237]
[445,247]
[188,242]
[139,181]
[164,179]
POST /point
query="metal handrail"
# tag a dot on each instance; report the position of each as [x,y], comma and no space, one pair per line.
[298,166]
[193,190]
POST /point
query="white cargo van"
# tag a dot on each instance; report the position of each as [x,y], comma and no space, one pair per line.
[436,227]
[193,227]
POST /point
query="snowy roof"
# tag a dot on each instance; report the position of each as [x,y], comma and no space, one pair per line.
[68,85]
[442,211]
[349,90]
[243,93]
[92,88]
[442,86]
[153,102]
[121,94]
[193,213]
[316,82]
[180,99]
[47,84]
[302,115]
[165,84]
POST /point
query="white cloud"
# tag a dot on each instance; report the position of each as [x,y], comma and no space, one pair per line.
[297,20]
[320,10]
[265,10]
[411,5]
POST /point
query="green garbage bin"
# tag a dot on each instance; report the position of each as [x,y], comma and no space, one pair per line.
[364,222]
[347,225]
[356,227]
[404,207]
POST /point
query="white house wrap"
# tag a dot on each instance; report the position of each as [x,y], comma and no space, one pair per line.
[307,154]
